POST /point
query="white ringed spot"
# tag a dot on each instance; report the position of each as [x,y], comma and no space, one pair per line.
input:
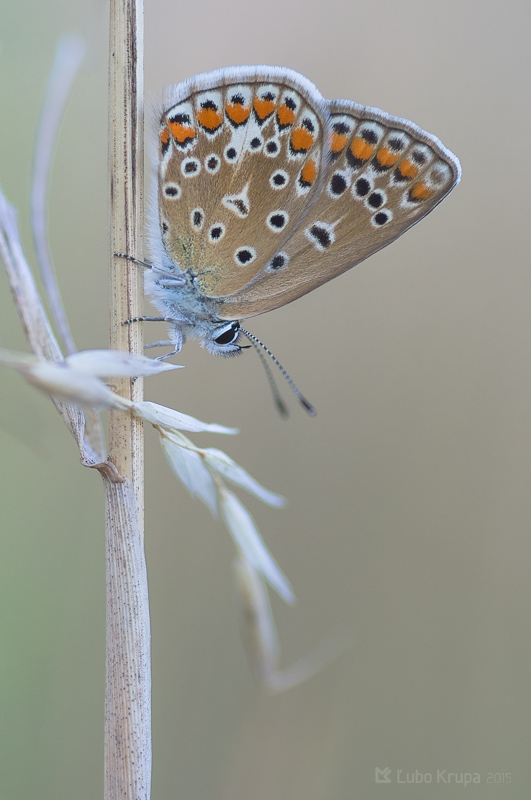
[272,148]
[338,183]
[230,153]
[212,163]
[172,190]
[279,179]
[190,167]
[381,218]
[279,261]
[244,255]
[277,220]
[321,235]
[362,186]
[216,232]
[255,145]
[197,218]
[376,199]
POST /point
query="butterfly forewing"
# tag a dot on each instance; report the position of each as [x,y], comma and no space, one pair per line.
[381,175]
[240,161]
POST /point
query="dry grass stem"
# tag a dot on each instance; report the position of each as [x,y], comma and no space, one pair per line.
[128,670]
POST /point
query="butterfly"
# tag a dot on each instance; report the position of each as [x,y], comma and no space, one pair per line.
[263,190]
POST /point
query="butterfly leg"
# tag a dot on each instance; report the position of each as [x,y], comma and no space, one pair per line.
[168,355]
[139,262]
[171,283]
[161,343]
[177,342]
[145,319]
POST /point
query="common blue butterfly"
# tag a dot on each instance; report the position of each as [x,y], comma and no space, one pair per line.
[263,190]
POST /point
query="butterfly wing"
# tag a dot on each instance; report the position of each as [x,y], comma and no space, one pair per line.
[238,164]
[381,176]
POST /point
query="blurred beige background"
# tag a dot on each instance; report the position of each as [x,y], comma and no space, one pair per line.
[409,502]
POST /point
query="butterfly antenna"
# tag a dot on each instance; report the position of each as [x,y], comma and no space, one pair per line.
[281,406]
[257,344]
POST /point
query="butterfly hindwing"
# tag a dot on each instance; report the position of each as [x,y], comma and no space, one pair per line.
[381,175]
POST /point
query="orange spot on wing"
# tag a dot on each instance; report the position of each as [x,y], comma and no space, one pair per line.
[286,116]
[386,157]
[209,118]
[237,112]
[263,108]
[181,133]
[164,136]
[301,139]
[407,169]
[339,141]
[361,149]
[420,191]
[308,172]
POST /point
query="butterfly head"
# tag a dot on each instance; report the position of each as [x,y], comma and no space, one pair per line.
[222,340]
[219,338]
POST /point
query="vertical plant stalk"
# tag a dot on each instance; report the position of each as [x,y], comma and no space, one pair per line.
[128,669]
[126,166]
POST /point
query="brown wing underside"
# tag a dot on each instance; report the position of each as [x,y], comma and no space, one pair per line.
[239,163]
[382,175]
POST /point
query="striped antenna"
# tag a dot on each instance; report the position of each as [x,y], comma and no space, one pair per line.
[276,396]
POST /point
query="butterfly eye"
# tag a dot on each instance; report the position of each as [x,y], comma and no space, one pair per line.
[228,335]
